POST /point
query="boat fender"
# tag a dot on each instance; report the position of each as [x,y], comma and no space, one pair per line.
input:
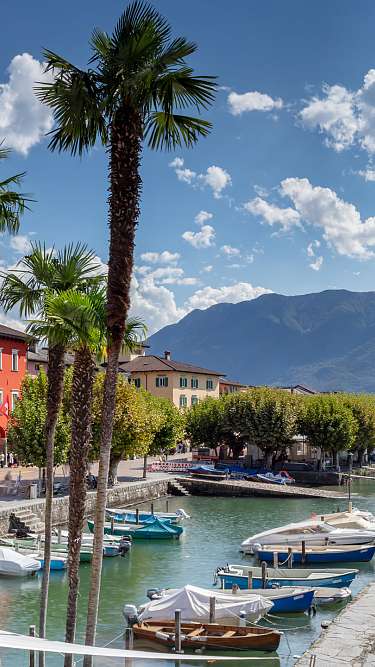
[153,593]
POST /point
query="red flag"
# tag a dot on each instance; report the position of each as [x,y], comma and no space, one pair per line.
[4,408]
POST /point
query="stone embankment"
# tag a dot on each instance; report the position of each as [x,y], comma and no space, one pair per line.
[349,639]
[205,487]
[124,494]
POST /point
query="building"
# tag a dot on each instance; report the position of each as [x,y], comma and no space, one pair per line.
[183,384]
[37,360]
[298,389]
[13,351]
[231,386]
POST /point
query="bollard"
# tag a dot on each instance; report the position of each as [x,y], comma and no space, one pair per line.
[167,505]
[112,526]
[350,506]
[152,508]
[212,609]
[32,653]
[250,579]
[303,552]
[290,557]
[177,631]
[275,560]
[59,535]
[137,515]
[129,642]
[264,574]
[312,662]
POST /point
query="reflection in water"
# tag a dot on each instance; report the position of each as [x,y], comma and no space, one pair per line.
[212,538]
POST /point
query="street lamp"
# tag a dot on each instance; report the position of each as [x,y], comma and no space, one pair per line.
[350,461]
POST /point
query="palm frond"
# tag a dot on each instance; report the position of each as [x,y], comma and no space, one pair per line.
[15,292]
[167,130]
[179,88]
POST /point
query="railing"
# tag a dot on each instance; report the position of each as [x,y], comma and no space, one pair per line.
[169,466]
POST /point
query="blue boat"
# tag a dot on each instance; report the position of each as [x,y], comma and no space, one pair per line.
[130,516]
[57,562]
[288,602]
[317,555]
[238,574]
[155,530]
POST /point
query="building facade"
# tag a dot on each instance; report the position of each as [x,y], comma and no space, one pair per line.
[13,351]
[231,386]
[181,383]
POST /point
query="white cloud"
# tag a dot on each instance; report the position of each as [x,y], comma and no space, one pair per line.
[202,217]
[208,268]
[20,244]
[252,101]
[215,177]
[164,257]
[346,118]
[272,214]
[208,296]
[229,250]
[316,265]
[23,119]
[368,174]
[203,239]
[311,248]
[165,275]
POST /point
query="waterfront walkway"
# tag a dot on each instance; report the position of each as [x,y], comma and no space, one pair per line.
[199,486]
[349,639]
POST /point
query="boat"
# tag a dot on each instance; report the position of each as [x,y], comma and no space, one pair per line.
[314,555]
[57,562]
[284,600]
[208,472]
[130,516]
[312,532]
[14,564]
[156,529]
[210,635]
[60,549]
[274,478]
[241,574]
[326,595]
[194,603]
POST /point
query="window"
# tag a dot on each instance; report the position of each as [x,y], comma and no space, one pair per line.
[37,367]
[194,383]
[1,358]
[183,401]
[161,381]
[194,400]
[14,360]
[137,382]
[209,384]
[15,397]
[183,383]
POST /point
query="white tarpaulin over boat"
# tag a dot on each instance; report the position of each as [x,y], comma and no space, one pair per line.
[194,603]
[25,643]
[15,564]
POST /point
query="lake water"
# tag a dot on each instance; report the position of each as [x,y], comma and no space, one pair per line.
[212,537]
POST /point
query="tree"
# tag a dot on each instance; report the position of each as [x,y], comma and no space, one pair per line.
[38,275]
[169,429]
[12,203]
[205,422]
[328,423]
[363,410]
[26,426]
[137,80]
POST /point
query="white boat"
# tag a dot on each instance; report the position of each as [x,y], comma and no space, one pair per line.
[322,595]
[127,515]
[14,564]
[194,603]
[313,532]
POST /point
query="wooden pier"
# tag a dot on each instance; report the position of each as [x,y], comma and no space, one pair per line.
[206,487]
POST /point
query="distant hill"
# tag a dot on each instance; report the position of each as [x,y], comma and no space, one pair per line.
[324,340]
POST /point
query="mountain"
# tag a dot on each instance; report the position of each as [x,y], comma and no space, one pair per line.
[324,340]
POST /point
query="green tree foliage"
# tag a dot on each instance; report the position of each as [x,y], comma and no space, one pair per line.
[363,410]
[328,423]
[26,431]
[171,428]
[205,422]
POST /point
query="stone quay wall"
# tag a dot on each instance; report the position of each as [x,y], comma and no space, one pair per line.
[123,494]
[233,488]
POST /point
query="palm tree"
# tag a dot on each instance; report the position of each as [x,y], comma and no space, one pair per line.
[39,274]
[12,204]
[80,318]
[136,83]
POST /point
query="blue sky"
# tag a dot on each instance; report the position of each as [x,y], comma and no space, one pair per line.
[280,197]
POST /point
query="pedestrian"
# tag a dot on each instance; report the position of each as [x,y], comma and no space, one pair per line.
[2,459]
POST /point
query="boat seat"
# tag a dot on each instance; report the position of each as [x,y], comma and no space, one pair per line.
[195,633]
[228,634]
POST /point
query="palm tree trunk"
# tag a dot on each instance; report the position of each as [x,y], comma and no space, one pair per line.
[54,396]
[125,189]
[83,379]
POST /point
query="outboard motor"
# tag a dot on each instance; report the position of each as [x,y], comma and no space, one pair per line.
[130,614]
[124,545]
[153,593]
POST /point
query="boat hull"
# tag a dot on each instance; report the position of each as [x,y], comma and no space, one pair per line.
[336,581]
[150,531]
[361,555]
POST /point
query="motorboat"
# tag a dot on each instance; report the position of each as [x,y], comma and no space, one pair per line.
[282,477]
[127,515]
[14,564]
[242,575]
[313,555]
[208,635]
[313,532]
[194,603]
[155,529]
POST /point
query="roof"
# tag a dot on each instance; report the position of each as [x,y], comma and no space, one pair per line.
[8,332]
[232,382]
[42,357]
[153,363]
[301,387]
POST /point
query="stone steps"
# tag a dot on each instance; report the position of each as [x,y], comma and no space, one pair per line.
[25,519]
[177,489]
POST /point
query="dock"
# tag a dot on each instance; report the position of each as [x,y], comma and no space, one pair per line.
[208,487]
[349,639]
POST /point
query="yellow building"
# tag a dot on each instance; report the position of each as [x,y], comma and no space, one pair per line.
[183,384]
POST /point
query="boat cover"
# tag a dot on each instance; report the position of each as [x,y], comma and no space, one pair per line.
[14,563]
[194,603]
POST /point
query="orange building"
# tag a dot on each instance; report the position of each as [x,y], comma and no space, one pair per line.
[13,351]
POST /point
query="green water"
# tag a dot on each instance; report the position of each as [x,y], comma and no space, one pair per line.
[212,537]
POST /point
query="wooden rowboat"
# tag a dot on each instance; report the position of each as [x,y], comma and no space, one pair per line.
[212,635]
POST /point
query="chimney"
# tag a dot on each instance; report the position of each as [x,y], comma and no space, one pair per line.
[167,355]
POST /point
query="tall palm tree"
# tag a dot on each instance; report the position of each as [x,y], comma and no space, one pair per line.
[80,317]
[37,275]
[136,83]
[12,203]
